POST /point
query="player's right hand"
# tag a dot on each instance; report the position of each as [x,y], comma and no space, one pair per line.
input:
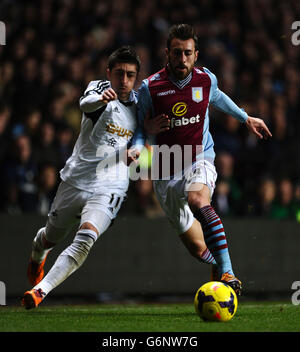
[108,95]
[157,124]
[258,127]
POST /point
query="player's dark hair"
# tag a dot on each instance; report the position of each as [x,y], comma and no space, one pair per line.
[182,31]
[125,54]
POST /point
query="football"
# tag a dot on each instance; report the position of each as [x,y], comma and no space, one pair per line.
[215,301]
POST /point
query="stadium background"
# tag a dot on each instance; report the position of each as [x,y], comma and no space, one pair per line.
[54,48]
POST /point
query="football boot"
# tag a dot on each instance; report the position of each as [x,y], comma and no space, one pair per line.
[233,282]
[33,298]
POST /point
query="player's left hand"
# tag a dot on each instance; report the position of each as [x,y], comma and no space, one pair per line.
[258,127]
[157,124]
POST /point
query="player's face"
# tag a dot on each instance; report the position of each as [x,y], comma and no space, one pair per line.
[182,57]
[122,78]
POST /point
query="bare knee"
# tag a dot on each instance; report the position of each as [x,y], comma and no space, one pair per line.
[198,199]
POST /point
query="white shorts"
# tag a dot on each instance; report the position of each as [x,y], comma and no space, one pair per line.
[72,205]
[172,194]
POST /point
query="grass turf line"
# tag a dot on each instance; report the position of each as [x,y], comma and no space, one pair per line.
[250,317]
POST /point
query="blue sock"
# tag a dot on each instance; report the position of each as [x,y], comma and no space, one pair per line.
[215,237]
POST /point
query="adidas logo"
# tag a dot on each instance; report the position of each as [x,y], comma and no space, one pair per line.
[40,293]
[116,109]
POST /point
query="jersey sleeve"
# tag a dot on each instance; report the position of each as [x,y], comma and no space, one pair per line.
[222,101]
[143,106]
[90,101]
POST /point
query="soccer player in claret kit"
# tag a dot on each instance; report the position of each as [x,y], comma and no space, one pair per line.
[182,93]
[89,194]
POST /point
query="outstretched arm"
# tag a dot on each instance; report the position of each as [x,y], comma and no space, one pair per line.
[254,124]
[222,102]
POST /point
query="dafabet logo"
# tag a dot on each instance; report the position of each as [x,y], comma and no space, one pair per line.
[179,109]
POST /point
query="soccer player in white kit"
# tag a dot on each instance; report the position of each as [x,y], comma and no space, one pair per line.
[94,180]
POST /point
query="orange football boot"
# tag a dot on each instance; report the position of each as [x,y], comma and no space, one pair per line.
[33,298]
[35,271]
[233,282]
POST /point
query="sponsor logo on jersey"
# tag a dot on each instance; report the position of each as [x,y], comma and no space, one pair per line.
[112,142]
[184,121]
[171,91]
[119,130]
[197,94]
[179,109]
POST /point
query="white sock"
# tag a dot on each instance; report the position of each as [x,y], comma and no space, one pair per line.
[62,269]
[69,260]
[38,252]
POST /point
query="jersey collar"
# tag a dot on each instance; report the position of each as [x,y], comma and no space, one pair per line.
[131,100]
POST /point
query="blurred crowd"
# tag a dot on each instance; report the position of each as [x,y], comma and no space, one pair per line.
[54,48]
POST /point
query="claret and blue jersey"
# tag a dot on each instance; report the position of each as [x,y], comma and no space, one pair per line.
[186,104]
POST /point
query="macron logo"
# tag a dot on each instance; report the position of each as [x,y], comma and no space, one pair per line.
[171,91]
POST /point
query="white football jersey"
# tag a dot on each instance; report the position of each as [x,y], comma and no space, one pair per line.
[96,164]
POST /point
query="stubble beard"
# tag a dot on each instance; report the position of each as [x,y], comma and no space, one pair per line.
[180,75]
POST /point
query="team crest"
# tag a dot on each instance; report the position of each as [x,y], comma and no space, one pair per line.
[197,94]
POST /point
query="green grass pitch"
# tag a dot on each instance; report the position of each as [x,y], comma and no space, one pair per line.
[164,317]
